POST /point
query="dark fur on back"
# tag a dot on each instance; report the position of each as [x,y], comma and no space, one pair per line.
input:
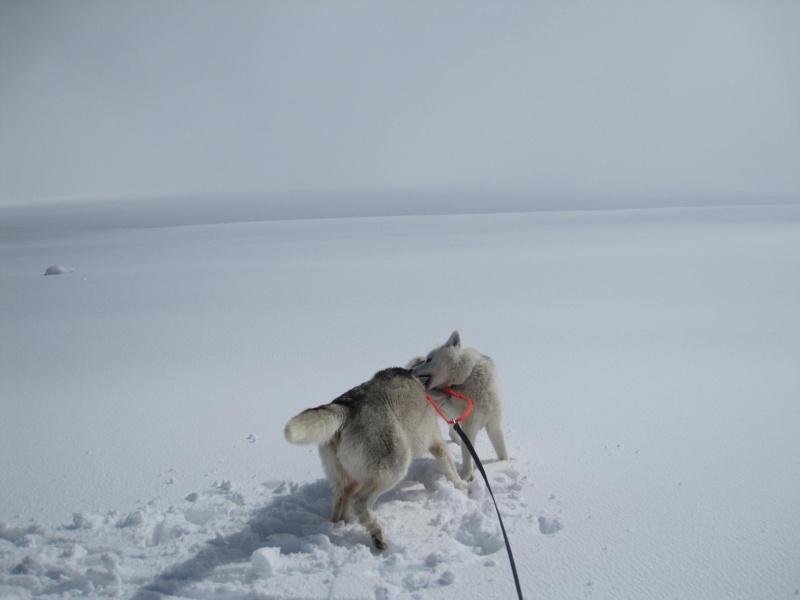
[352,396]
[367,438]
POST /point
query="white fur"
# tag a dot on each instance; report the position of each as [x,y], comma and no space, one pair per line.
[473,375]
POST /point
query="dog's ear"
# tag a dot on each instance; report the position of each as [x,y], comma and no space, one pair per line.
[455,340]
[415,362]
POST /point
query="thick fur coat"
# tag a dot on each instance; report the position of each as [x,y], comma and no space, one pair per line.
[367,438]
[472,374]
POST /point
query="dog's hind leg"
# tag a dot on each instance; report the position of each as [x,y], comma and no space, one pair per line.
[341,500]
[442,456]
[495,430]
[384,479]
[342,484]
[363,501]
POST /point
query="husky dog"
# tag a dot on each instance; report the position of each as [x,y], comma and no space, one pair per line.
[367,438]
[472,374]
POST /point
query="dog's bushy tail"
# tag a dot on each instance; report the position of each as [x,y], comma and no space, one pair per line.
[315,425]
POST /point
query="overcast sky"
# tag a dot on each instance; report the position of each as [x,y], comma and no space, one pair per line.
[131,98]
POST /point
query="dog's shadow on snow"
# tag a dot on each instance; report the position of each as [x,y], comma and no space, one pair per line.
[297,519]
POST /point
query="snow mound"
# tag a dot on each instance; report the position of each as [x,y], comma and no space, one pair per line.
[274,542]
[57,270]
[549,526]
[265,561]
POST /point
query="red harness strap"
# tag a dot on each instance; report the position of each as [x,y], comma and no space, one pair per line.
[456,395]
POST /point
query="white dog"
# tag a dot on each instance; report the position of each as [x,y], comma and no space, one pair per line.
[473,375]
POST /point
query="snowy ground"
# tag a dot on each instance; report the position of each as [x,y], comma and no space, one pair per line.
[650,362]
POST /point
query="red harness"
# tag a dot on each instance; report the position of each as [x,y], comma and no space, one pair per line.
[456,395]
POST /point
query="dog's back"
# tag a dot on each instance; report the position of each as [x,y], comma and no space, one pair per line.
[389,421]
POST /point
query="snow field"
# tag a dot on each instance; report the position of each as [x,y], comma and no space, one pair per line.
[649,361]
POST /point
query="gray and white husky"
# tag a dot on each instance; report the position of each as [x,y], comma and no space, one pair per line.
[473,375]
[367,438]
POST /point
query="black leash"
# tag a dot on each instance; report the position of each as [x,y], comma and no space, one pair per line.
[468,445]
[474,454]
